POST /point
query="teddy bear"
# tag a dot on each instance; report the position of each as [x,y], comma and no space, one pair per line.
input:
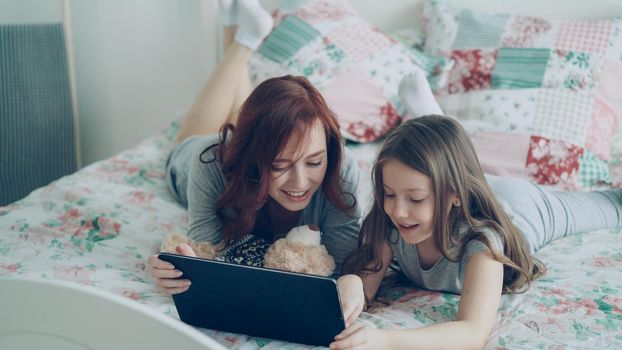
[299,251]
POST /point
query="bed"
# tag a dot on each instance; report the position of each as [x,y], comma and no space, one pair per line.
[96,227]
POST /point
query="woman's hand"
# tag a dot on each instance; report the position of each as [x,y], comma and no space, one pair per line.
[359,336]
[352,297]
[165,275]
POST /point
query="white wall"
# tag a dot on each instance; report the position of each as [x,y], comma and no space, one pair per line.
[137,64]
[30,11]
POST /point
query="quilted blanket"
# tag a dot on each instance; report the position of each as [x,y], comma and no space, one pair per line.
[97,227]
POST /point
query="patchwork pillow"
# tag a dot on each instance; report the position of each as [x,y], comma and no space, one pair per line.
[541,98]
[355,66]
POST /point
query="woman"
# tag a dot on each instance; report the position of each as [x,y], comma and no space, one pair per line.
[278,161]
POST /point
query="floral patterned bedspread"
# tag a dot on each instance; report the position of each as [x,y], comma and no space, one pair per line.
[97,227]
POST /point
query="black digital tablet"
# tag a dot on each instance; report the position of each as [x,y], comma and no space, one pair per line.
[260,302]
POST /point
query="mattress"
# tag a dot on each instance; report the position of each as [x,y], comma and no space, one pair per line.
[97,227]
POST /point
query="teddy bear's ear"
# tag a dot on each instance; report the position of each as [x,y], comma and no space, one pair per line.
[170,242]
[304,235]
[204,250]
[201,249]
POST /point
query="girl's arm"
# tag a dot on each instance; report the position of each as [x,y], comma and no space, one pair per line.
[355,292]
[371,282]
[481,295]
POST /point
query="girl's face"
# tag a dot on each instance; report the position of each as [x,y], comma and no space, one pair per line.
[409,201]
[295,176]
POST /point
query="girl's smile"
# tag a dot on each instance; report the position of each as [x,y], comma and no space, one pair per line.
[408,201]
[405,229]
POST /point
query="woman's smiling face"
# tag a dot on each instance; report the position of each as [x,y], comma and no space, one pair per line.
[298,172]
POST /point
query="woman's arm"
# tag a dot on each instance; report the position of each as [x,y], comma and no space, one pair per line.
[165,275]
[204,187]
[206,184]
[481,295]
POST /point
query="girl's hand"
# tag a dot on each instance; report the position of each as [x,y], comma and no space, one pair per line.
[165,275]
[352,297]
[359,336]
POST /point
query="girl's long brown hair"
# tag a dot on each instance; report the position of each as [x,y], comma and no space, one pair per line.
[276,109]
[440,148]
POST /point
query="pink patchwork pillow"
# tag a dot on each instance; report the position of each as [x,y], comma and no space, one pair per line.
[540,97]
[356,67]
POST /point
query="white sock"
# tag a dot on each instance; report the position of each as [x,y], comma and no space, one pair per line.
[228,12]
[416,94]
[254,23]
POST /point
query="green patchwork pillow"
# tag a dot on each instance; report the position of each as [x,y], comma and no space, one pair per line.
[355,66]
[547,92]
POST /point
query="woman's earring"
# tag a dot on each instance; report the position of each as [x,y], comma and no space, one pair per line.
[456,203]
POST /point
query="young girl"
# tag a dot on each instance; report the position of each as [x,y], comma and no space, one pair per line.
[453,229]
[278,161]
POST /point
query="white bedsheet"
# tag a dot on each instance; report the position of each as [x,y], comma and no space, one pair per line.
[98,226]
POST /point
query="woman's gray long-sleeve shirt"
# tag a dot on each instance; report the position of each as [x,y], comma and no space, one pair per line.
[198,186]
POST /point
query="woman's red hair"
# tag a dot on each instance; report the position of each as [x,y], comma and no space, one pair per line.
[277,109]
